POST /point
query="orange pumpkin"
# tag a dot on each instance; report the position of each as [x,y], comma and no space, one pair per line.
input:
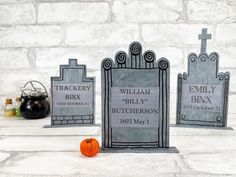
[89,147]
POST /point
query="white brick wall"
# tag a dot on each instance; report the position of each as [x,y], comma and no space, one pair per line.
[30,36]
[17,14]
[207,11]
[225,34]
[101,34]
[146,11]
[36,36]
[172,34]
[73,12]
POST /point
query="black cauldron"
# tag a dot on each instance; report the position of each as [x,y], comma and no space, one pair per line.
[34,101]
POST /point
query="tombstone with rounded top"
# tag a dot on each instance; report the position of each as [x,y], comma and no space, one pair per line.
[135,100]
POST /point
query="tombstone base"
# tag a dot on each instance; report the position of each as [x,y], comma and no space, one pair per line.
[140,150]
[72,125]
[201,123]
[201,126]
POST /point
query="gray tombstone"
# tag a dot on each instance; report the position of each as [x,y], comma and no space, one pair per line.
[203,92]
[135,100]
[72,96]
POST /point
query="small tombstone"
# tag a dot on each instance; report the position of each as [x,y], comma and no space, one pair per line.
[72,96]
[135,100]
[203,92]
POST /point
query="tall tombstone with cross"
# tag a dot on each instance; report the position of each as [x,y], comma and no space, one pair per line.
[135,100]
[202,93]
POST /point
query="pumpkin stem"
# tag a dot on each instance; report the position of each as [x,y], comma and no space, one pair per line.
[88,140]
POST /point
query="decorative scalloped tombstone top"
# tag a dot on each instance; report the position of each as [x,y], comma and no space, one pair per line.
[72,96]
[135,100]
[203,92]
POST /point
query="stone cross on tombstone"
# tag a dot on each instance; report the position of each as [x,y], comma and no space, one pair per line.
[135,100]
[202,94]
[73,96]
[204,36]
